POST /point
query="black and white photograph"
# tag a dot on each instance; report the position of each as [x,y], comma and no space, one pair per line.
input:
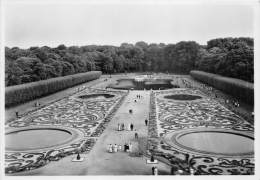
[125,88]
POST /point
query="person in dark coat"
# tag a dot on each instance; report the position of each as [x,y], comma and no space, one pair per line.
[16,113]
[146,122]
[132,127]
[153,168]
[174,169]
[136,135]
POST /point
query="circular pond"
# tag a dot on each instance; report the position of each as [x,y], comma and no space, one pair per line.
[182,97]
[37,138]
[213,142]
[97,96]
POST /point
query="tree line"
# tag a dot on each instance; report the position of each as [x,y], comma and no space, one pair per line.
[233,57]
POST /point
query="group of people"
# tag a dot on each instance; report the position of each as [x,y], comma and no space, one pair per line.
[121,127]
[115,148]
[236,103]
[176,171]
[36,104]
[138,96]
[154,170]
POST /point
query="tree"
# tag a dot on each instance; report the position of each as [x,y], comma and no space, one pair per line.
[119,63]
[12,74]
[62,47]
[232,57]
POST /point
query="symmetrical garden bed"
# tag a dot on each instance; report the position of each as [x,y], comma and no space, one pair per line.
[203,113]
[88,116]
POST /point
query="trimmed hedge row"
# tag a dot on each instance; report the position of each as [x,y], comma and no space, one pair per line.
[25,92]
[238,88]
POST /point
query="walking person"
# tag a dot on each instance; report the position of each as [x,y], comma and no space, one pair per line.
[16,113]
[115,148]
[128,128]
[130,147]
[132,127]
[119,147]
[125,147]
[136,135]
[110,148]
[146,122]
[174,169]
[155,171]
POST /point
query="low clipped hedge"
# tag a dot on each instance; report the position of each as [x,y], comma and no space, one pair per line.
[29,91]
[238,88]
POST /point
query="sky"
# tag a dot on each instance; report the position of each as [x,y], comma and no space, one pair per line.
[51,24]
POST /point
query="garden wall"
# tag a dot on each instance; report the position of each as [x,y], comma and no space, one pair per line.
[29,91]
[238,88]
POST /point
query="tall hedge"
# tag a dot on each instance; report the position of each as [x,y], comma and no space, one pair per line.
[29,91]
[238,88]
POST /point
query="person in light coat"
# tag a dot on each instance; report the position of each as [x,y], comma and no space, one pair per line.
[115,148]
[110,148]
[155,171]
[130,147]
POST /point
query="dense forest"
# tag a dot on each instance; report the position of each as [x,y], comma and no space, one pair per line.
[233,57]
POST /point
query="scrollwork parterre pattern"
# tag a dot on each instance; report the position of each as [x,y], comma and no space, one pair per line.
[205,112]
[85,115]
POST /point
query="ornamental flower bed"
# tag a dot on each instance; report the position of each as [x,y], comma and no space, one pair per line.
[203,113]
[30,161]
[87,116]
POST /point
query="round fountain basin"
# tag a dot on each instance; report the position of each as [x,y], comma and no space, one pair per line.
[214,142]
[38,138]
